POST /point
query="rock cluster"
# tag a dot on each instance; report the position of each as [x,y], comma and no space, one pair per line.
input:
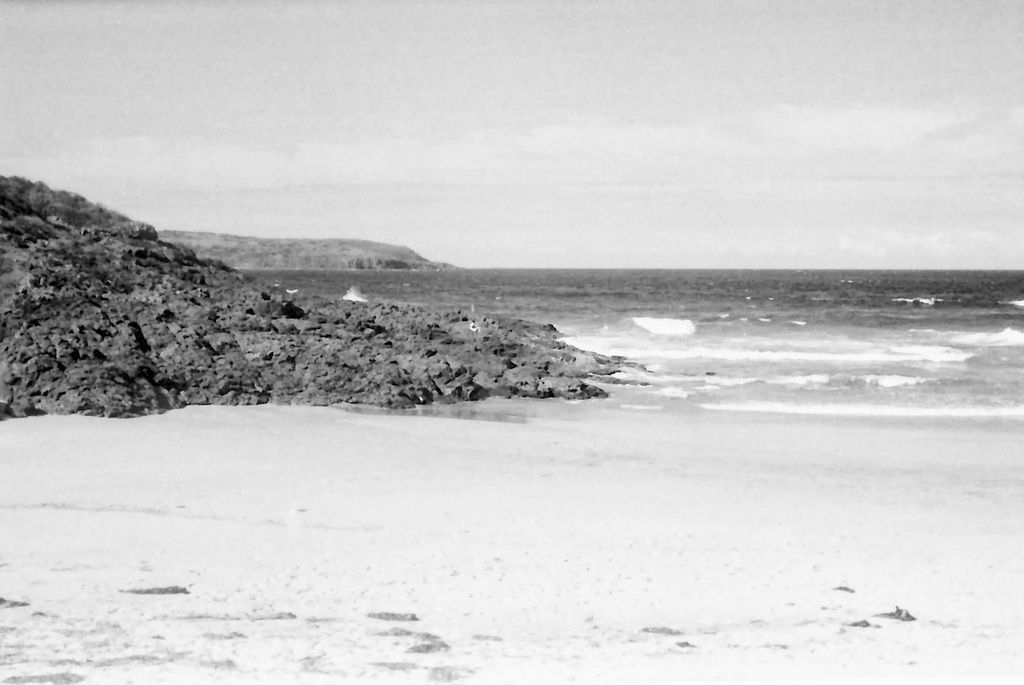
[98,316]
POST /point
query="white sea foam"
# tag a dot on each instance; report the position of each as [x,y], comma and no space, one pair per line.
[881,380]
[898,353]
[670,391]
[798,323]
[891,380]
[1008,337]
[929,301]
[763,319]
[718,381]
[810,379]
[665,326]
[353,295]
[870,410]
[642,407]
[1015,303]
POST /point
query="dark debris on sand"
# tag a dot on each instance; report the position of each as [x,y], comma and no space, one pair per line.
[898,615]
[391,616]
[11,604]
[662,631]
[172,590]
[429,647]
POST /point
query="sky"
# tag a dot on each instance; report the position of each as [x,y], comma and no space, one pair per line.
[554,133]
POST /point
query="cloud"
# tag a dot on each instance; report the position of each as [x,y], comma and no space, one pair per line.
[773,146]
[825,129]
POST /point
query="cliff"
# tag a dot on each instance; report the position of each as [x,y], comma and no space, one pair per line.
[244,252]
[100,316]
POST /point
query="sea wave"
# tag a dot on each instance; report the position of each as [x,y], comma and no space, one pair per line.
[835,379]
[869,410]
[642,407]
[928,301]
[1014,303]
[897,353]
[1008,337]
[665,326]
[670,391]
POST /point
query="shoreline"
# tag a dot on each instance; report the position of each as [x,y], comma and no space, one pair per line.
[564,531]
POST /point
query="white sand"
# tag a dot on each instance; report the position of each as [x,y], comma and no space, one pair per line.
[564,536]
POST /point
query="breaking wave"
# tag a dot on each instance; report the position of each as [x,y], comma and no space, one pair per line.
[927,301]
[898,353]
[870,410]
[1008,337]
[665,326]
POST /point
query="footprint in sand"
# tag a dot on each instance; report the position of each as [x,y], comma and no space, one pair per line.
[396,665]
[402,632]
[447,674]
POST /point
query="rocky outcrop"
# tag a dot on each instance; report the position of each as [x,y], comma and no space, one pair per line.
[256,254]
[99,316]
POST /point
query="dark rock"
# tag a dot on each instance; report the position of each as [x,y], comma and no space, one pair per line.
[491,638]
[843,588]
[172,590]
[859,624]
[389,616]
[276,616]
[898,615]
[100,317]
[429,647]
[662,631]
[685,645]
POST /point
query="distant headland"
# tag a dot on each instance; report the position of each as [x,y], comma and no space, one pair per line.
[265,254]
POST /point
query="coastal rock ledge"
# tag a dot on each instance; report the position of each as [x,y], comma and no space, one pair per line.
[98,316]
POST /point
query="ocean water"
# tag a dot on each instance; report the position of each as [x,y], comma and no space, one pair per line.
[931,344]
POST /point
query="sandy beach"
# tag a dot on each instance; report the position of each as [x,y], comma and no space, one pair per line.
[535,544]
